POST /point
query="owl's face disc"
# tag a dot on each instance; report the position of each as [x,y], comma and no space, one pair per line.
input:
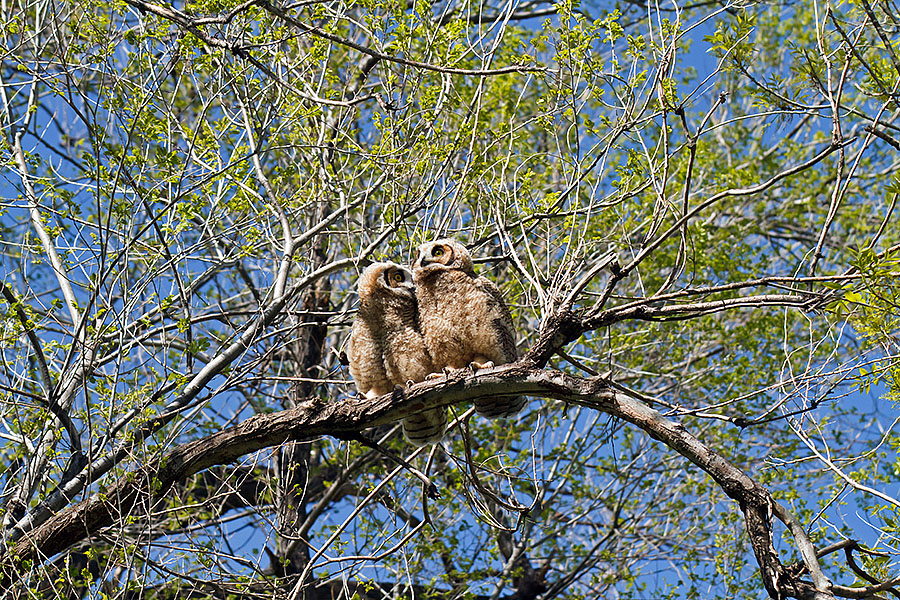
[443,254]
[386,277]
[398,279]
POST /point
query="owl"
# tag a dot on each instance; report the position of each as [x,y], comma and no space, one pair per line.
[464,319]
[386,348]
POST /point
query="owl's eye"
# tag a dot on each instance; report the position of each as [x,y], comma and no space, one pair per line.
[398,277]
[437,251]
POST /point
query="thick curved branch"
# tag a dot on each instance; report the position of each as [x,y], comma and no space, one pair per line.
[149,484]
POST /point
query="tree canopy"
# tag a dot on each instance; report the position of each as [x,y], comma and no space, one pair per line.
[690,209]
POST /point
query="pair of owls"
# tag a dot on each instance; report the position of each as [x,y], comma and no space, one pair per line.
[439,316]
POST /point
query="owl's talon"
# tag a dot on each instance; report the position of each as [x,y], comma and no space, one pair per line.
[433,376]
[410,383]
[477,366]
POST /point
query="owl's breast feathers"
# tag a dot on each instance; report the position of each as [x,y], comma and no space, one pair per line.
[460,313]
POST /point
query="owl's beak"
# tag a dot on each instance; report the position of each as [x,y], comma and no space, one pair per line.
[425,258]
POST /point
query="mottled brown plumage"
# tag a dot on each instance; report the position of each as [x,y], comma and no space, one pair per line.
[463,317]
[386,348]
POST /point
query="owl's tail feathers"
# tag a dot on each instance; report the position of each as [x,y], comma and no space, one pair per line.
[496,408]
[426,427]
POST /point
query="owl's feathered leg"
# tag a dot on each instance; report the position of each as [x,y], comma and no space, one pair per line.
[496,408]
[426,427]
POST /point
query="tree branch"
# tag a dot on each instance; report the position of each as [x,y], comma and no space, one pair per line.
[148,485]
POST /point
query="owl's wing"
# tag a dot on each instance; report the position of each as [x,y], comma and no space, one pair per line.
[366,364]
[505,346]
[500,321]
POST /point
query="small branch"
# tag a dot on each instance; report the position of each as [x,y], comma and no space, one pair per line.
[32,339]
[431,490]
[606,260]
[851,44]
[849,546]
[737,192]
[885,39]
[318,32]
[193,26]
[831,466]
[35,213]
[287,250]
[49,397]
[678,312]
[882,135]
[804,545]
